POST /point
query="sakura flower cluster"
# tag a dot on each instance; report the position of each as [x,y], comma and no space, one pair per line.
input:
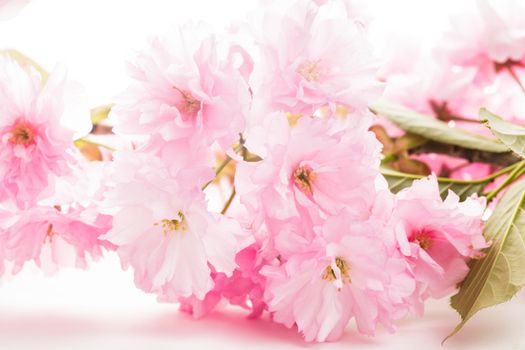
[277,129]
[247,172]
[40,221]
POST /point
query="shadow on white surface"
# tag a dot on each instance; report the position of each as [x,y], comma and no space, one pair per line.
[101,309]
[165,329]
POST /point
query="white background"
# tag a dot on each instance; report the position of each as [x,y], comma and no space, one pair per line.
[100,308]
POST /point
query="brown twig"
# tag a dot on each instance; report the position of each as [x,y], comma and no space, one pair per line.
[473,156]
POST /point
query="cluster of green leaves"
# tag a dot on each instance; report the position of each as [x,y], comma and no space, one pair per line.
[497,277]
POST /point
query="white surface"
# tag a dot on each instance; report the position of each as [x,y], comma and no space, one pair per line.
[100,308]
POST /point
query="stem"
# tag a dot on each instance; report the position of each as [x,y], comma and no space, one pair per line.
[218,171]
[472,155]
[514,175]
[443,113]
[515,77]
[223,165]
[485,180]
[458,118]
[226,161]
[501,172]
[228,202]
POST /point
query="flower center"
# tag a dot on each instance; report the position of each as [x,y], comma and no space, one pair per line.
[423,238]
[189,105]
[309,70]
[343,266]
[173,225]
[22,134]
[303,178]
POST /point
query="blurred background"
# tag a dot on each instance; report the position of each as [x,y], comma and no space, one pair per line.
[100,308]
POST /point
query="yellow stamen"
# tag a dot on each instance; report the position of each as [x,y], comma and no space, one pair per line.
[423,239]
[173,225]
[344,268]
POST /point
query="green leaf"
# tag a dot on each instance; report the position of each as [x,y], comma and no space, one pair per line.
[512,135]
[25,62]
[99,114]
[501,273]
[436,130]
[398,181]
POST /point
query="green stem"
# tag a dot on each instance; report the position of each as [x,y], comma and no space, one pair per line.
[500,172]
[218,171]
[223,165]
[513,176]
[225,162]
[228,202]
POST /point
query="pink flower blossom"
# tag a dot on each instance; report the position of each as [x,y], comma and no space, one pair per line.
[183,88]
[165,232]
[34,143]
[245,287]
[348,273]
[491,40]
[434,87]
[314,170]
[437,237]
[190,163]
[52,237]
[312,58]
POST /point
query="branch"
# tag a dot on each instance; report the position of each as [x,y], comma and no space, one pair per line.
[473,156]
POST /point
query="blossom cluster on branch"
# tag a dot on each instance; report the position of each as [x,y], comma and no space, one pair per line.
[256,175]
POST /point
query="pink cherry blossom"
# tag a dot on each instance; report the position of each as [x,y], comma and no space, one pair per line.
[183,88]
[491,40]
[190,163]
[505,98]
[347,273]
[312,58]
[34,144]
[314,170]
[434,87]
[437,237]
[53,237]
[244,288]
[165,232]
